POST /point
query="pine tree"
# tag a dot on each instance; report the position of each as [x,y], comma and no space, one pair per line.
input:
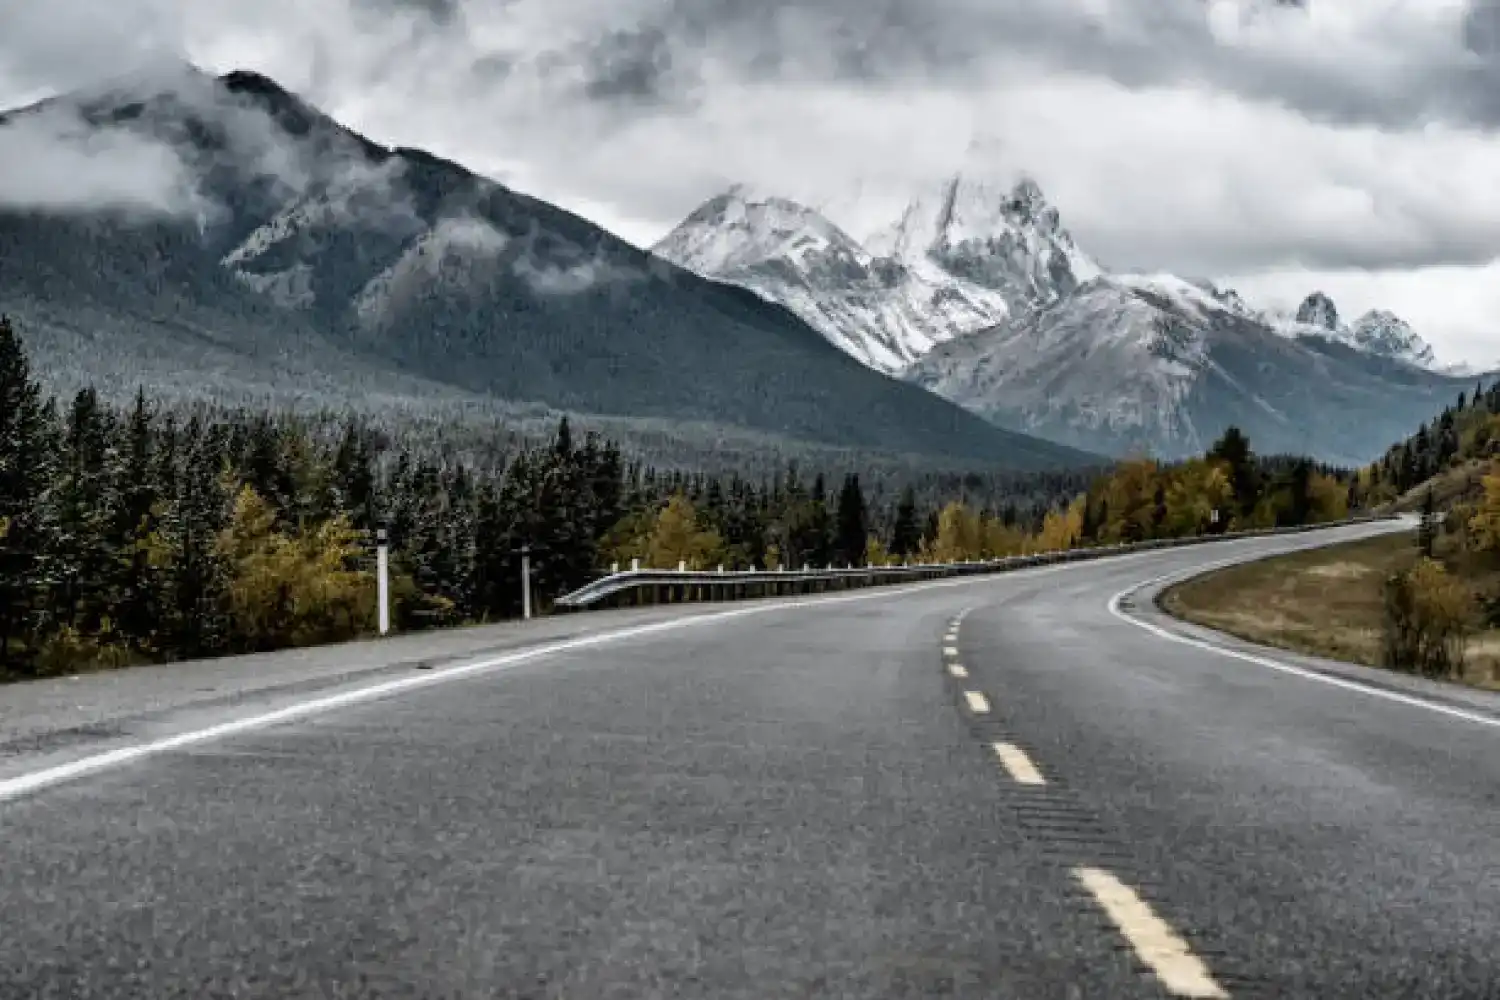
[906,533]
[84,501]
[852,529]
[192,571]
[27,463]
[1233,449]
[132,590]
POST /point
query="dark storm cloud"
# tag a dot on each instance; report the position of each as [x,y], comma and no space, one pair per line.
[440,11]
[633,67]
[1200,136]
[1394,68]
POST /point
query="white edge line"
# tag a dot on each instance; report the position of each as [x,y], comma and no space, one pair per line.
[11,788]
[1286,668]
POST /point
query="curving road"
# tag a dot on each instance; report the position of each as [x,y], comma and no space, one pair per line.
[1013,787]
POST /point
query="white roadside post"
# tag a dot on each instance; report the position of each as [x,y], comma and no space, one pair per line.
[382,580]
[526,582]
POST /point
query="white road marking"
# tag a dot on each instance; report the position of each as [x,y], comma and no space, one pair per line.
[1286,668]
[978,703]
[1018,765]
[957,670]
[1164,952]
[950,651]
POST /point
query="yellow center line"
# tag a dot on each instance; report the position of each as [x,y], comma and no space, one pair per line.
[978,703]
[1159,947]
[1018,765]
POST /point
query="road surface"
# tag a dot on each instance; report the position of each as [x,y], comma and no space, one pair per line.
[1010,787]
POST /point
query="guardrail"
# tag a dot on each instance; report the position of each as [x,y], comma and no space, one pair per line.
[664,586]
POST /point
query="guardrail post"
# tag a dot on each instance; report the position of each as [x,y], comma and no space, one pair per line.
[382,580]
[526,582]
[635,565]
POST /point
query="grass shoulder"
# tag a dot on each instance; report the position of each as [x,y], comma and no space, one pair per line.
[1327,602]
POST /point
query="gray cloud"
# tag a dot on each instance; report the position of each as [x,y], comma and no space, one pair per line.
[632,66]
[55,162]
[1203,136]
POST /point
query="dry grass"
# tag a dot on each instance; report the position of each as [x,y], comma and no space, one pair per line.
[1327,602]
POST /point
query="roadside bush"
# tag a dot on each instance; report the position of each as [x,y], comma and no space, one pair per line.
[67,651]
[1426,625]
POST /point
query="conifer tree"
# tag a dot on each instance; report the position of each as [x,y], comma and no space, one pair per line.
[852,530]
[906,533]
[27,465]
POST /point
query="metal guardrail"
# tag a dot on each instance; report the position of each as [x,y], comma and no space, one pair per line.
[675,586]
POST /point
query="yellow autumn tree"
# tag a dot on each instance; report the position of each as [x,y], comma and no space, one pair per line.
[1062,529]
[1484,525]
[958,535]
[1001,540]
[1194,492]
[1330,498]
[678,538]
[287,590]
[1130,496]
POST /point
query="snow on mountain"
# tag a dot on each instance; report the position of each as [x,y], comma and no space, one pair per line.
[961,257]
[1161,365]
[1377,332]
[878,309]
[1012,241]
[978,293]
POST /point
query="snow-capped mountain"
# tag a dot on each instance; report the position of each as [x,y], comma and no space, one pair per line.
[961,257]
[1160,365]
[977,292]
[1377,332]
[1012,241]
[878,309]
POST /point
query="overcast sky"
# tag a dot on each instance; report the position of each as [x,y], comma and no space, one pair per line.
[1348,145]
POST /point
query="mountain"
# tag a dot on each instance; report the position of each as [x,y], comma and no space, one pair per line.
[878,309]
[1009,240]
[977,292]
[246,243]
[1377,332]
[961,257]
[1162,365]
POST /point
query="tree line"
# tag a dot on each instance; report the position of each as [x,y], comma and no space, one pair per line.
[1469,428]
[147,533]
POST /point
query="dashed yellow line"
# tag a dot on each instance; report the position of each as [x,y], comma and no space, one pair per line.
[1018,765]
[978,703]
[958,670]
[1165,953]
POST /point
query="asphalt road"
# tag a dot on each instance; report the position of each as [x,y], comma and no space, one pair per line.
[838,797]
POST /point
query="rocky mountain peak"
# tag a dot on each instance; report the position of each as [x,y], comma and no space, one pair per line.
[1318,310]
[1384,333]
